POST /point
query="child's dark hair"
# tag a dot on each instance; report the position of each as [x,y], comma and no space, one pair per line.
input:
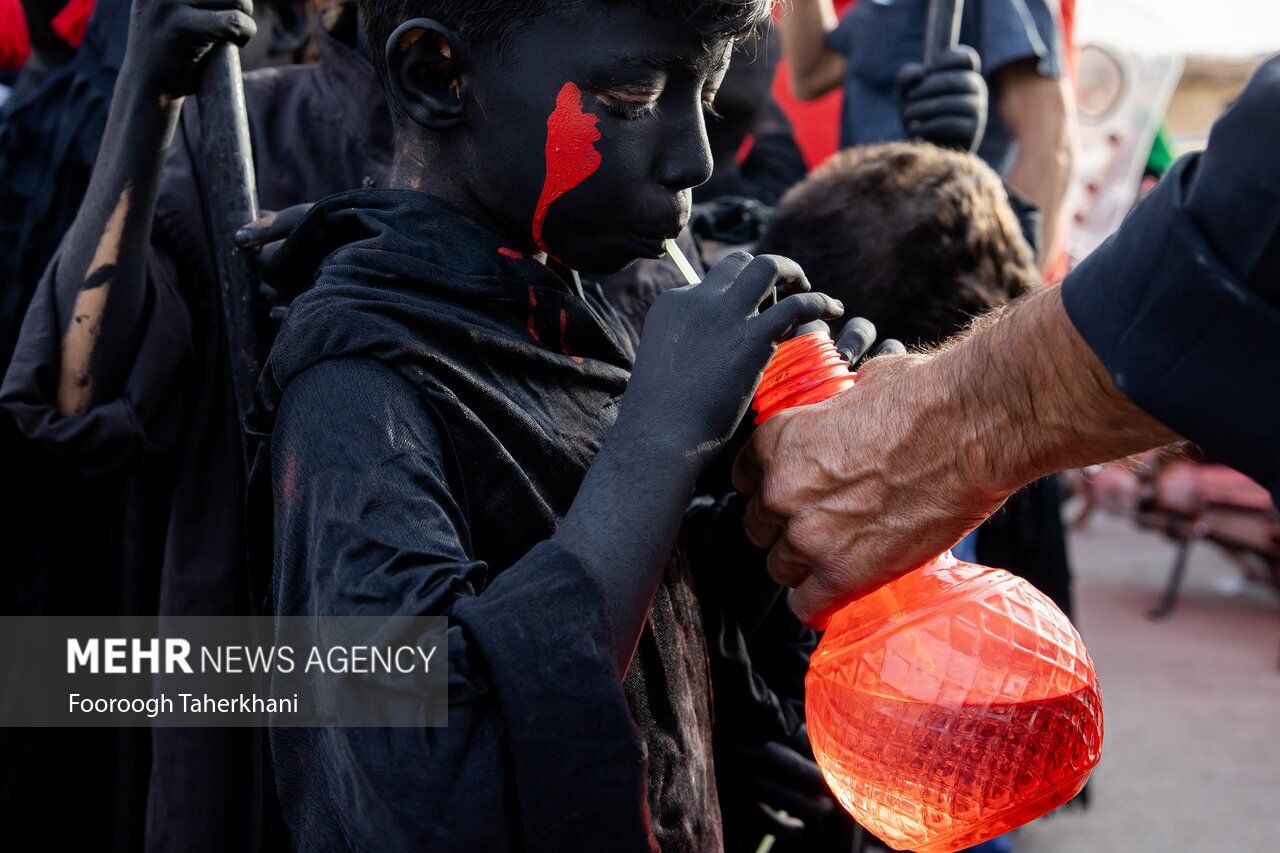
[492,21]
[915,238]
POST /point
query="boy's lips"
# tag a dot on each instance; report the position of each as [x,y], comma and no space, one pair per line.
[648,245]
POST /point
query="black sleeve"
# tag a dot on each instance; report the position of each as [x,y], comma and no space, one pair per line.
[146,419]
[540,751]
[1182,304]
[116,434]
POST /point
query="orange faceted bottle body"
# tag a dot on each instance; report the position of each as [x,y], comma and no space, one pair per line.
[951,705]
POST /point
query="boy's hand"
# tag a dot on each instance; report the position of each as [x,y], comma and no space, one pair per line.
[786,785]
[946,103]
[264,236]
[169,38]
[705,346]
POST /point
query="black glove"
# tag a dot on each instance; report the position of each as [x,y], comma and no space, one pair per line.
[855,339]
[946,103]
[705,346]
[782,788]
[169,38]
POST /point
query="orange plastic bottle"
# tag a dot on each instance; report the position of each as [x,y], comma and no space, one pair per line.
[953,704]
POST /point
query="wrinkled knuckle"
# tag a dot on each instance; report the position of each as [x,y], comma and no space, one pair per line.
[771,265]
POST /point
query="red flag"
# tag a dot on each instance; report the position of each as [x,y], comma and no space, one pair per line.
[15,42]
[70,23]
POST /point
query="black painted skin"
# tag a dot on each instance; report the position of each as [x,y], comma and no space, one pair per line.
[471,128]
[107,245]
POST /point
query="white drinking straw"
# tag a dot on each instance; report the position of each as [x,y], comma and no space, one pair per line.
[686,269]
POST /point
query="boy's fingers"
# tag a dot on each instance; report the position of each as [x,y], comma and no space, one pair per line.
[271,227]
[792,801]
[287,220]
[267,252]
[231,25]
[255,233]
[890,347]
[783,761]
[721,277]
[855,339]
[245,6]
[779,823]
[777,322]
[764,277]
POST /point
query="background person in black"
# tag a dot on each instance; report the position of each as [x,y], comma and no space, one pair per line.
[159,400]
[448,425]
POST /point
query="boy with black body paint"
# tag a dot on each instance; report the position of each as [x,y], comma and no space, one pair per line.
[448,425]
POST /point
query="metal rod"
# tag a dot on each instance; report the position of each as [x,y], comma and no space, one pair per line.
[942,28]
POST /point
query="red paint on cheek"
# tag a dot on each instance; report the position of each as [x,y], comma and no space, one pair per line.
[571,153]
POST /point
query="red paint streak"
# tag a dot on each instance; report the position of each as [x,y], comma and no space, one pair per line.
[564,345]
[510,253]
[571,153]
[533,306]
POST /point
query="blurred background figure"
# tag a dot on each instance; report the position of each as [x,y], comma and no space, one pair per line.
[1028,136]
[76,543]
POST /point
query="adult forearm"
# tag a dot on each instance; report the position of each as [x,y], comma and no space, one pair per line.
[1040,114]
[1030,395]
[852,493]
[815,68]
[100,277]
[623,525]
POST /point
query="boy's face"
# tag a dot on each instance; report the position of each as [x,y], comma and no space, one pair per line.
[586,135]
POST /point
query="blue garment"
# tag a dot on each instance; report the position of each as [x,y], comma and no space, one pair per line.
[967,548]
[878,37]
[1182,304]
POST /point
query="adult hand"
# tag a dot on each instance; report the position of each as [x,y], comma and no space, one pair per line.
[705,346]
[169,38]
[853,492]
[945,103]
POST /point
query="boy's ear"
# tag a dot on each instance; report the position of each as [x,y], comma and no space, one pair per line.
[424,64]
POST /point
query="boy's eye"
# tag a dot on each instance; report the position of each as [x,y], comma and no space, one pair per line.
[628,105]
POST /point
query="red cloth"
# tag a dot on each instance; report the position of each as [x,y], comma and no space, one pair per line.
[15,42]
[70,23]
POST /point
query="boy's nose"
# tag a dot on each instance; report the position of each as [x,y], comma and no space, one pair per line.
[685,159]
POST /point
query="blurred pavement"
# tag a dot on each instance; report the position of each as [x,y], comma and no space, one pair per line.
[1191,759]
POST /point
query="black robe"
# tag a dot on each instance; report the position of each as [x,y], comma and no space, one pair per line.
[425,418]
[64,549]
[315,130]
